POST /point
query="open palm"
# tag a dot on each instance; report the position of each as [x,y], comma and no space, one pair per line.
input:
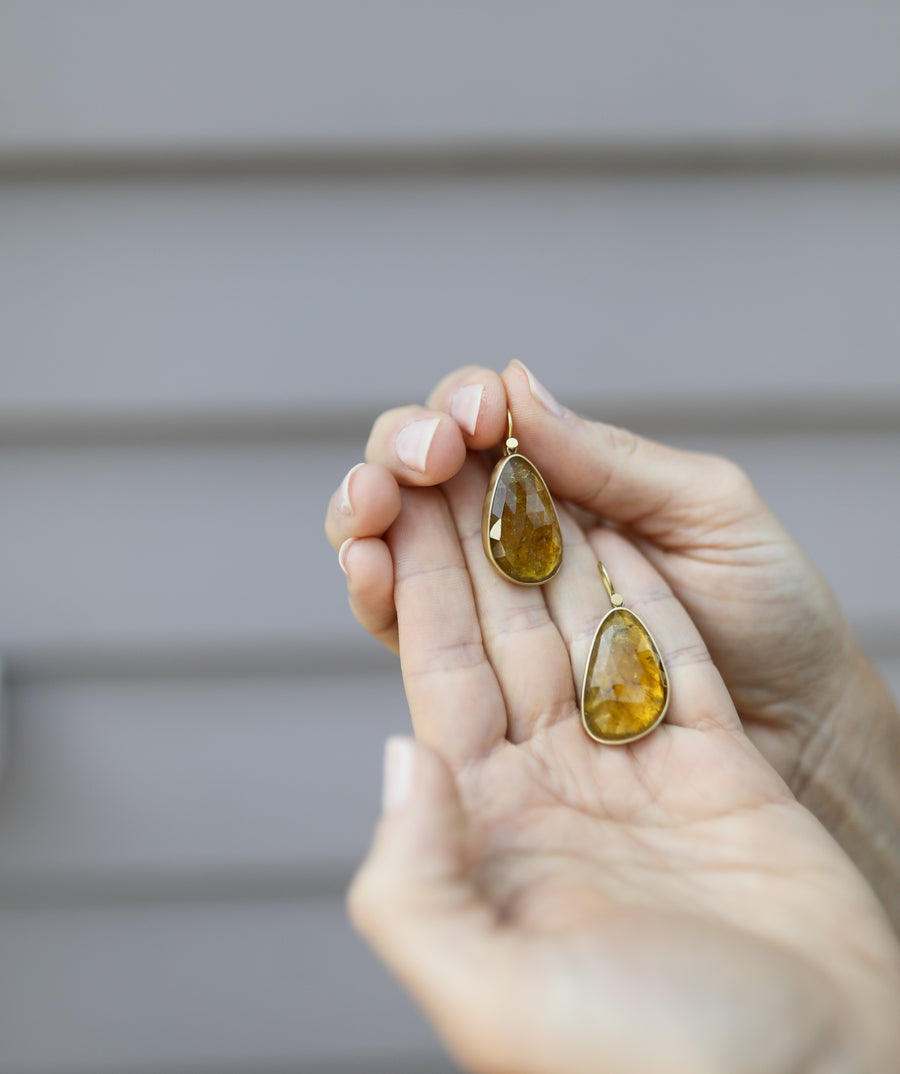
[559,905]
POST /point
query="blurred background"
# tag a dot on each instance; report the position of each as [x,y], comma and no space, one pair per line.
[231,233]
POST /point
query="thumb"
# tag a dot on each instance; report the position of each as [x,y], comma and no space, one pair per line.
[622,477]
[418,854]
[413,899]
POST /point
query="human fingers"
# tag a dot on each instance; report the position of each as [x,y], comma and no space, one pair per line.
[367,563]
[364,505]
[475,397]
[415,900]
[417,445]
[454,698]
[427,445]
[673,497]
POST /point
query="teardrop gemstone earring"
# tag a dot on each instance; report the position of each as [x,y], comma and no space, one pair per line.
[625,692]
[519,525]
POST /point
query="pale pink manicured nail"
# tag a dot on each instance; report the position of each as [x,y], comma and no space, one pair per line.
[343,496]
[465,405]
[398,769]
[342,554]
[414,441]
[539,392]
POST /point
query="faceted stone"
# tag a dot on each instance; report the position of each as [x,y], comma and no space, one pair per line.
[625,686]
[520,527]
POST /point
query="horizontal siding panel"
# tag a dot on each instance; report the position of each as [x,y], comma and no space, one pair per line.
[215,780]
[130,298]
[155,791]
[228,987]
[124,547]
[232,232]
[157,552]
[192,76]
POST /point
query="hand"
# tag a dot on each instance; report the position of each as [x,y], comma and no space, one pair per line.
[556,905]
[807,698]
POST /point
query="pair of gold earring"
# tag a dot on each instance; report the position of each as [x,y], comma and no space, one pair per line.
[625,689]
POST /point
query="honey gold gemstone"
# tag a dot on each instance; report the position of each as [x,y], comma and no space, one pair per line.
[626,689]
[520,528]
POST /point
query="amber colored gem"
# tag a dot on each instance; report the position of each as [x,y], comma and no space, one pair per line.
[520,527]
[626,689]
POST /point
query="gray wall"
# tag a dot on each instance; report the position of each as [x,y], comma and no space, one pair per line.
[229,234]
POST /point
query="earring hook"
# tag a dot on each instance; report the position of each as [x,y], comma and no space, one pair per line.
[615,599]
[512,445]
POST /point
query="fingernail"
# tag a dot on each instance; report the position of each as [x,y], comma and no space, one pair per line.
[465,405]
[343,496]
[342,554]
[414,441]
[397,779]
[539,392]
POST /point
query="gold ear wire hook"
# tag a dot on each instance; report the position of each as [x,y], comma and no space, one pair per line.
[519,524]
[512,445]
[615,599]
[625,689]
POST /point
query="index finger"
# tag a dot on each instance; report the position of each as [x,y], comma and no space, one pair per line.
[423,446]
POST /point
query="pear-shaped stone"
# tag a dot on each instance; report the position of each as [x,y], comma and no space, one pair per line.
[626,689]
[520,527]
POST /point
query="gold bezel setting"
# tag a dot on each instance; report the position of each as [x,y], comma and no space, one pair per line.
[618,609]
[488,528]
